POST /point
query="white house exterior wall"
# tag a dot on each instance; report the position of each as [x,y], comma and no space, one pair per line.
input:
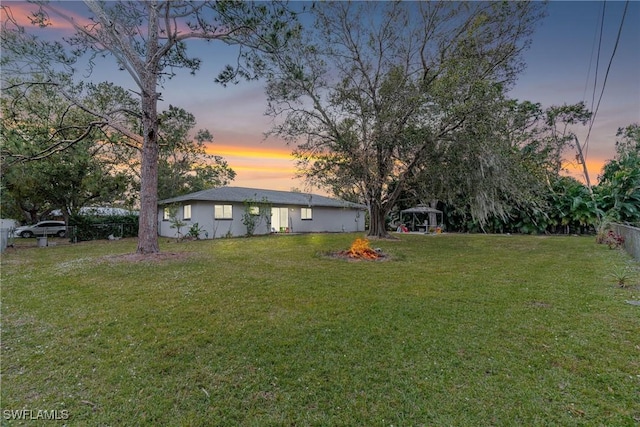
[324,219]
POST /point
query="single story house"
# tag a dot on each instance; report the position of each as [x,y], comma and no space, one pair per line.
[225,212]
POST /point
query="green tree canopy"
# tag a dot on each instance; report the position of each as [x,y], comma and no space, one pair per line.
[375,91]
[184,164]
[55,156]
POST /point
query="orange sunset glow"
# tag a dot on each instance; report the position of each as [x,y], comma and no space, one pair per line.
[594,167]
[259,167]
[249,152]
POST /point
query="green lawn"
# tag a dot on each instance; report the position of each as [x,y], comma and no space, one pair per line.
[461,330]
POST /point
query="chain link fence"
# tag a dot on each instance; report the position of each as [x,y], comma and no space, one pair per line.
[9,239]
[102,231]
[73,234]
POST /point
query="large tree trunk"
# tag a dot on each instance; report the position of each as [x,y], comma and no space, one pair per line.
[148,226]
[377,225]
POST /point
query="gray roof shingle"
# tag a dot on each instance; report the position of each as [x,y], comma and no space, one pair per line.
[240,194]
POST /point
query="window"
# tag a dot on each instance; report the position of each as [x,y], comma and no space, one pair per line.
[306,213]
[166,214]
[254,210]
[186,212]
[223,212]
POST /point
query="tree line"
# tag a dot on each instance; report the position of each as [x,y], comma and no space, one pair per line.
[568,206]
[56,159]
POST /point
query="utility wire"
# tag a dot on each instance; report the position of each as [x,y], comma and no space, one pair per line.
[604,83]
[593,48]
[595,82]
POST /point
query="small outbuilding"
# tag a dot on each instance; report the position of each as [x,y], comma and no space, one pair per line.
[422,218]
[225,211]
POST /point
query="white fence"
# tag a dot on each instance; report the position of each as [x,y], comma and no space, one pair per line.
[631,238]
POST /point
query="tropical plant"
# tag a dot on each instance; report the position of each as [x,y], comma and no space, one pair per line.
[565,206]
[571,206]
[618,190]
[622,275]
[610,238]
[195,231]
[175,221]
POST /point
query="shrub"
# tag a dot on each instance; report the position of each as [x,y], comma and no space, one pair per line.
[195,231]
[610,238]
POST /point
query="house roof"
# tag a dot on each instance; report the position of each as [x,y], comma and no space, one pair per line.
[241,194]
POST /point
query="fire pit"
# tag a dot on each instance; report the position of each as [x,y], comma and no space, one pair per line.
[361,250]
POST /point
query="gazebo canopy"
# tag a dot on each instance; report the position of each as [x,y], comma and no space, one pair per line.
[421,209]
[421,218]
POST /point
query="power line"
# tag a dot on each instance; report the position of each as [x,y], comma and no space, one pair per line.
[595,82]
[593,48]
[604,83]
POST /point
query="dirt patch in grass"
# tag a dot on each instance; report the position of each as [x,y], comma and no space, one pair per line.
[344,255]
[156,258]
[360,250]
[539,304]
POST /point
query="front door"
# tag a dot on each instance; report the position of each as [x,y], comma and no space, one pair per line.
[280,219]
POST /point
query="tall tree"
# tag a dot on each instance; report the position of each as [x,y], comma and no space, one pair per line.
[484,170]
[184,164]
[148,40]
[559,120]
[375,89]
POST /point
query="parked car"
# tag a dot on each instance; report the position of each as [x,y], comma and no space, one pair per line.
[43,228]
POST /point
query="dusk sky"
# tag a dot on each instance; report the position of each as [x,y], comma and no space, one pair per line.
[561,69]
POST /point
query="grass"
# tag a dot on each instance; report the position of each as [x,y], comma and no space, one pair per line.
[453,330]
